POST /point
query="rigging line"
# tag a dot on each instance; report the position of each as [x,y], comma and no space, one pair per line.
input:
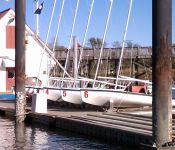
[131,62]
[144,64]
[136,31]
[70,40]
[101,50]
[107,63]
[45,45]
[85,34]
[51,55]
[58,26]
[93,26]
[123,42]
[86,63]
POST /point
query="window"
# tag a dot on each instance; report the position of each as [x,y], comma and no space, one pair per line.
[11,74]
[10,37]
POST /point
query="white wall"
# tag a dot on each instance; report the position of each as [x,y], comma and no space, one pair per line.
[36,60]
[34,54]
[2,81]
[2,37]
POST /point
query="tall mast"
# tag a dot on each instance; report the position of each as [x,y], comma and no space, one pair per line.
[103,41]
[123,42]
[75,57]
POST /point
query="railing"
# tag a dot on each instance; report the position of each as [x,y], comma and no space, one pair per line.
[110,53]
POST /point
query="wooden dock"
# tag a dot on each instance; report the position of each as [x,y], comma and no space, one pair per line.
[133,128]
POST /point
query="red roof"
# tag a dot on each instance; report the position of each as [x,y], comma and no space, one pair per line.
[3,13]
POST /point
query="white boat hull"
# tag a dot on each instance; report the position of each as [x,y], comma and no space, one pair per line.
[71,95]
[130,99]
[53,94]
[94,97]
[102,97]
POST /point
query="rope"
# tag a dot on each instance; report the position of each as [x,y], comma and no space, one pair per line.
[107,63]
[58,26]
[84,39]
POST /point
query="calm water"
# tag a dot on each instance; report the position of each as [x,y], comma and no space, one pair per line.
[36,137]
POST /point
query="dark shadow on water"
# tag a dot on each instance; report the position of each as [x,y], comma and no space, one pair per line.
[37,136]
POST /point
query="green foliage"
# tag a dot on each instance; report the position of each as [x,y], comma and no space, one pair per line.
[96,42]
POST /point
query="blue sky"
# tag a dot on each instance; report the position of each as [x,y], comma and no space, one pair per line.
[139,30]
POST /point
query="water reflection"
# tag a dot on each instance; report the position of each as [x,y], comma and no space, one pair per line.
[34,137]
[19,135]
[6,134]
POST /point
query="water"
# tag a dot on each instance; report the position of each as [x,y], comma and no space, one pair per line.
[36,137]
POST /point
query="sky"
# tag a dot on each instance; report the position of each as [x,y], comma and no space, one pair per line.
[139,29]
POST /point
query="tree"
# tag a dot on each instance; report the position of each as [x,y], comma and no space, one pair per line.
[129,44]
[116,44]
[96,42]
[99,42]
[93,42]
[136,45]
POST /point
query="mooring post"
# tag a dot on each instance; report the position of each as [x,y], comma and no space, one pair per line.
[162,66]
[20,60]
[20,134]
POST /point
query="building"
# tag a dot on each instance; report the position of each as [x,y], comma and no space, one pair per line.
[37,58]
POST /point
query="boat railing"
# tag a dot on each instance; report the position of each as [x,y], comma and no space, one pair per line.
[125,78]
[98,83]
[102,82]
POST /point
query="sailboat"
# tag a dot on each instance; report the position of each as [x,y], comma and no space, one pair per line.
[125,95]
[72,93]
[53,86]
[119,95]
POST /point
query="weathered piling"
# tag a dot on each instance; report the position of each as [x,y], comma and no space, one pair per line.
[162,64]
[20,60]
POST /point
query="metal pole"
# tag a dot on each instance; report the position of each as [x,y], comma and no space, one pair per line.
[75,71]
[37,19]
[162,65]
[20,60]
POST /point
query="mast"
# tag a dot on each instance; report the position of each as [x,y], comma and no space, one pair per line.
[85,34]
[45,44]
[70,40]
[75,57]
[104,36]
[123,43]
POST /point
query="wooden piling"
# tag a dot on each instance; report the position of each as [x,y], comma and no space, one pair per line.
[162,66]
[20,60]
